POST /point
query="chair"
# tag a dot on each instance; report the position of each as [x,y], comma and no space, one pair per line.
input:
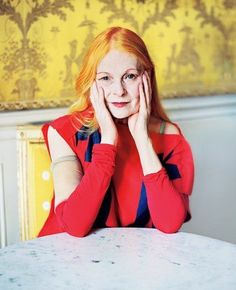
[35,187]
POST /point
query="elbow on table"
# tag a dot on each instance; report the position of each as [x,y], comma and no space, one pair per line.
[172,229]
[78,232]
[75,230]
[169,228]
[171,224]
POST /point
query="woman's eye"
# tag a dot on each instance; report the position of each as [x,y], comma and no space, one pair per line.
[130,76]
[105,78]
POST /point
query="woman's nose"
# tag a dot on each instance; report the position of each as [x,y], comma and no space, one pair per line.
[118,88]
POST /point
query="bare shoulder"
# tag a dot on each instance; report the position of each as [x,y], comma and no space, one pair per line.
[171,129]
[54,136]
[57,145]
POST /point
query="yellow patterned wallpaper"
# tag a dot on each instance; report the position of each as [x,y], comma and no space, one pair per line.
[193,44]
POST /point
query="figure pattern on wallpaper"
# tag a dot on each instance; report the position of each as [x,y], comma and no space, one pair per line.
[26,56]
[224,58]
[127,14]
[75,58]
[42,43]
[187,55]
[183,63]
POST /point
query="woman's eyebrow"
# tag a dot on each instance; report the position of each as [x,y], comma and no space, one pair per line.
[124,72]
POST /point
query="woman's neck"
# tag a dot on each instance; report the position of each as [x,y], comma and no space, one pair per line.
[123,121]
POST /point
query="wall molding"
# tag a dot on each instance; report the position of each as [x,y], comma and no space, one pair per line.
[200,107]
[177,108]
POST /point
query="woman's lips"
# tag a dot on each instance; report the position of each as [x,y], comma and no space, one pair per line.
[120,104]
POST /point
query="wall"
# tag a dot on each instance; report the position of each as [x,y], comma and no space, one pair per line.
[192,44]
[9,214]
[213,201]
[209,124]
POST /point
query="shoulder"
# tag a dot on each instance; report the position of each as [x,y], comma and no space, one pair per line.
[169,127]
[64,125]
[58,135]
[61,121]
[58,145]
[57,123]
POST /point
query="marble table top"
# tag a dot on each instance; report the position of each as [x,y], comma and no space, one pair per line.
[119,258]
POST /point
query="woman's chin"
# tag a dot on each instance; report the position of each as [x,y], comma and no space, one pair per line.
[120,116]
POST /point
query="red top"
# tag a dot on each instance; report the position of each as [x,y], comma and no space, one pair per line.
[114,192]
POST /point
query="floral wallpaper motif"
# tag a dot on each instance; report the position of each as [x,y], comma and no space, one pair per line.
[42,43]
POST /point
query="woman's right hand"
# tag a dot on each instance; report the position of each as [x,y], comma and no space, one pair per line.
[108,128]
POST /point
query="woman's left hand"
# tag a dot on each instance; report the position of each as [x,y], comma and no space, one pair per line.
[138,122]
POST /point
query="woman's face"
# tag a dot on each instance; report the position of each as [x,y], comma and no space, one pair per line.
[118,75]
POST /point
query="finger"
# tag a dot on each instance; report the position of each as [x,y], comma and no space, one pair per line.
[96,91]
[149,85]
[146,89]
[100,92]
[149,81]
[146,81]
[95,99]
[101,95]
[92,93]
[145,84]
[96,96]
[142,99]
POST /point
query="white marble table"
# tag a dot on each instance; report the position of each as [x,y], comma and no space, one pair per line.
[119,258]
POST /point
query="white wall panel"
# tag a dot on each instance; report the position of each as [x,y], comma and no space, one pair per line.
[213,202]
[8,159]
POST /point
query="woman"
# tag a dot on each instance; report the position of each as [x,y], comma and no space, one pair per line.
[117,160]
